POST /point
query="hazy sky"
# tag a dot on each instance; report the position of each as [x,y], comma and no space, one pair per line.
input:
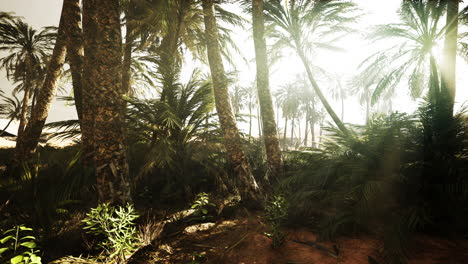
[41,13]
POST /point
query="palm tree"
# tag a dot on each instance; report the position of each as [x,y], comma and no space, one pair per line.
[289,98]
[267,114]
[338,92]
[308,25]
[236,156]
[28,142]
[27,52]
[11,109]
[105,98]
[418,35]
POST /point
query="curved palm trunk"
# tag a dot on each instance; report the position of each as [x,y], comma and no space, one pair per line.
[270,133]
[27,143]
[106,79]
[236,156]
[450,52]
[319,93]
[75,53]
[24,111]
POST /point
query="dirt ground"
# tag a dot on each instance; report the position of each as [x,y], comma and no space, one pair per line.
[243,241]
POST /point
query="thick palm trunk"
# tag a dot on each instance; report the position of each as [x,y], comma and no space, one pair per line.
[103,97]
[27,143]
[106,79]
[270,133]
[88,109]
[450,52]
[319,93]
[236,156]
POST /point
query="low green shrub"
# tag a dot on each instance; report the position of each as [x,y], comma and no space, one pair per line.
[116,226]
[276,211]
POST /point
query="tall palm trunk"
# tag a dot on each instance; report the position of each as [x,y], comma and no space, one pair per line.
[249,188]
[450,52]
[292,129]
[318,91]
[24,108]
[90,47]
[250,119]
[168,49]
[285,129]
[270,133]
[75,53]
[127,59]
[109,133]
[27,143]
[306,130]
[259,123]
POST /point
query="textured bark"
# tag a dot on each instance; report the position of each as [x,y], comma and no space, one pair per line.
[449,59]
[75,53]
[107,102]
[249,189]
[270,133]
[319,93]
[27,143]
[87,119]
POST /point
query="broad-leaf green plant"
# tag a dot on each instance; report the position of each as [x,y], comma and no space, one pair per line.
[17,246]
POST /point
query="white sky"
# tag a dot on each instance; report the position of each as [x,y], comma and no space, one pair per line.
[41,13]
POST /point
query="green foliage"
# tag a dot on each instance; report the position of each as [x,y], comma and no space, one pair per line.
[19,247]
[181,141]
[276,212]
[402,174]
[116,227]
[201,205]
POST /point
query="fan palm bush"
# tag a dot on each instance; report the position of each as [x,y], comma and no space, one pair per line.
[180,142]
[391,181]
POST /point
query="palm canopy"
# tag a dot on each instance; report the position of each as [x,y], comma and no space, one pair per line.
[307,26]
[27,48]
[412,58]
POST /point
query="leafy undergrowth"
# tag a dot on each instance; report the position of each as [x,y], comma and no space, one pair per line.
[243,240]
